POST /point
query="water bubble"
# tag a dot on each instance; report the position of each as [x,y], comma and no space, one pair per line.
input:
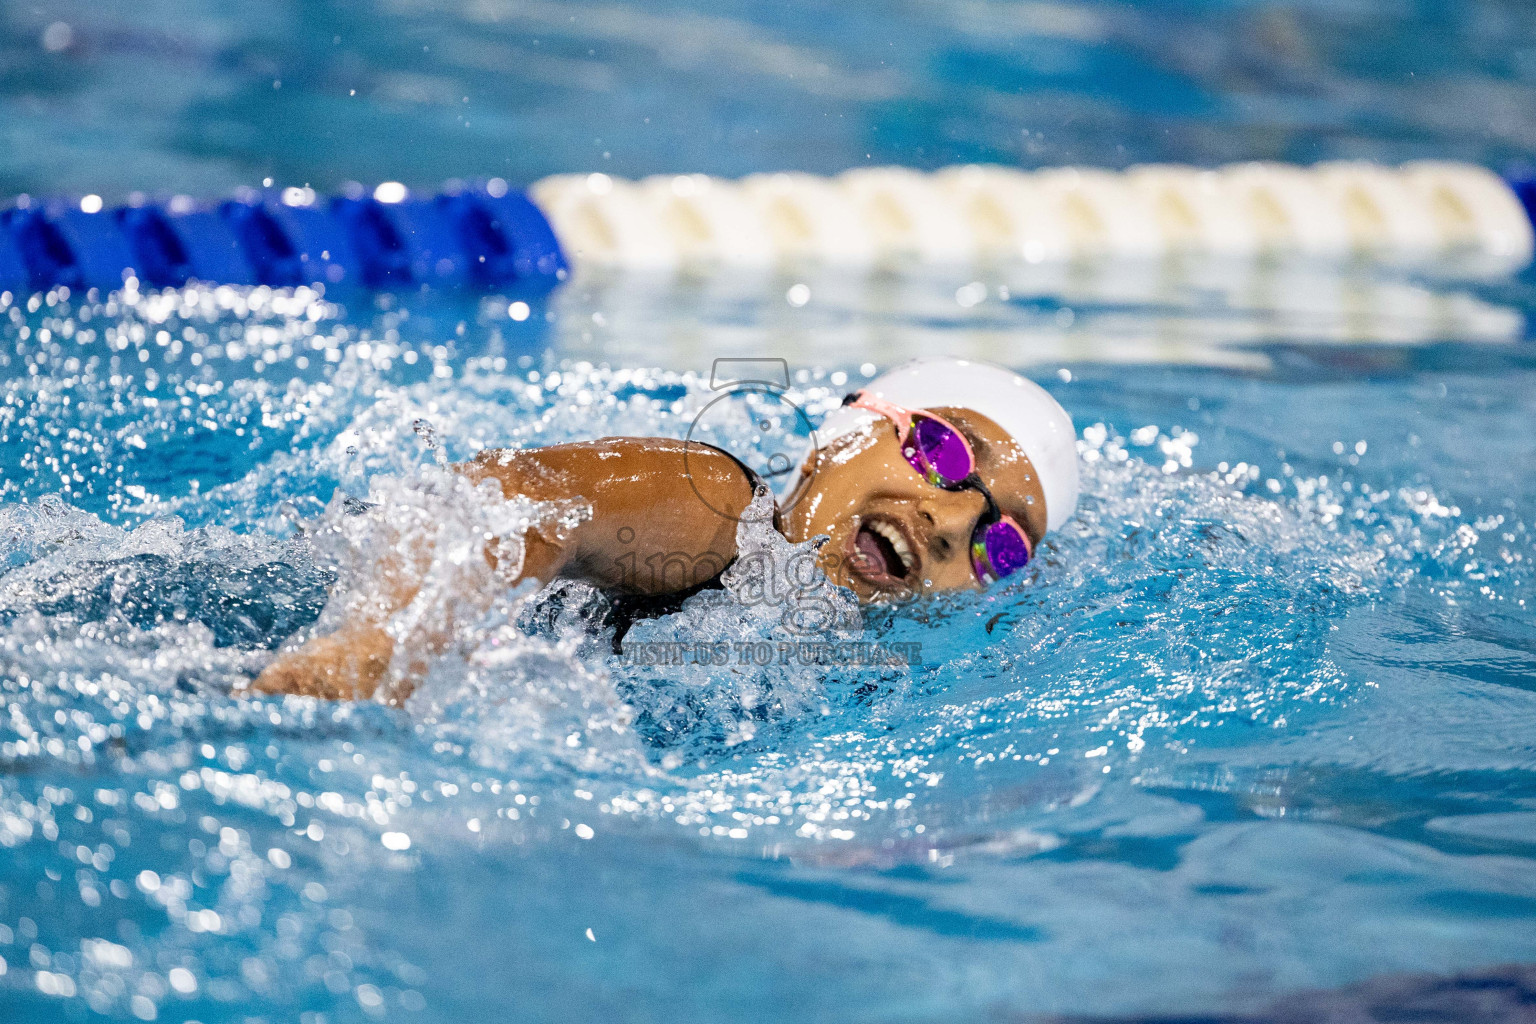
[58,37]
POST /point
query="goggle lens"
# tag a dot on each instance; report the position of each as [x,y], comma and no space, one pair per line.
[945,459]
[1000,549]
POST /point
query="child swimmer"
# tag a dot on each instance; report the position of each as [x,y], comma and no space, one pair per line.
[939,475]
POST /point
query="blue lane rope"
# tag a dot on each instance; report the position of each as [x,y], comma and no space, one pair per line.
[1522,181]
[470,238]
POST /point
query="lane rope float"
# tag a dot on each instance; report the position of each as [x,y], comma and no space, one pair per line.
[890,218]
[487,236]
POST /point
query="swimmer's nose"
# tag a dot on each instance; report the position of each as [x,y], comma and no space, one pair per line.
[952,516]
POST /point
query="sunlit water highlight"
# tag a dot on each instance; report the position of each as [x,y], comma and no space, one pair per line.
[1263,705]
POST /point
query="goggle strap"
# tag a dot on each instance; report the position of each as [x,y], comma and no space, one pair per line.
[880,407]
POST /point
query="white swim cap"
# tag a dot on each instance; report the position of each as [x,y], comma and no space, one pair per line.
[1035,420]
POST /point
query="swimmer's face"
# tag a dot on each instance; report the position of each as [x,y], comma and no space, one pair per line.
[893,534]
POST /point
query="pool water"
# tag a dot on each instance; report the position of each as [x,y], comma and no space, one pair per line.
[1256,723]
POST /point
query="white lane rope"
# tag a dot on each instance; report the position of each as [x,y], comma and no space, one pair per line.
[889,218]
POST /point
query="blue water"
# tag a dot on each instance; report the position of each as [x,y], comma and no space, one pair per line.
[1258,722]
[165,96]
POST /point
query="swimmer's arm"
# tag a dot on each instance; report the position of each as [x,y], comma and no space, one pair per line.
[654,528]
[350,662]
[663,518]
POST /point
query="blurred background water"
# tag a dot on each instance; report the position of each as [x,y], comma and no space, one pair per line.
[111,97]
[1257,723]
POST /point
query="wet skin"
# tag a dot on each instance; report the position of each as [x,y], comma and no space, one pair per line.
[663,518]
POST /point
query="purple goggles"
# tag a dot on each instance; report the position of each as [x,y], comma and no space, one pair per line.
[942,456]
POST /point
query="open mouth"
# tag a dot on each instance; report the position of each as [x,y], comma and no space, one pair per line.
[881,553]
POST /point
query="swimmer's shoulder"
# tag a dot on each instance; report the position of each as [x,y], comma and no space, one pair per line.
[658,464]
